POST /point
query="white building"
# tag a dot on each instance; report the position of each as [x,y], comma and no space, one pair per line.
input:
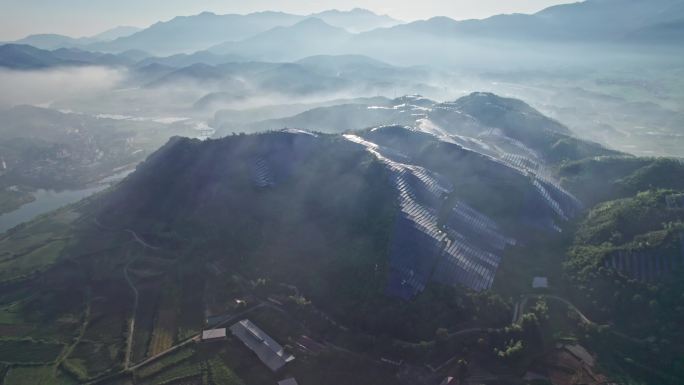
[289,381]
[214,334]
[540,283]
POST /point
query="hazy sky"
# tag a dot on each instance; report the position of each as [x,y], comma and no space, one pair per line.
[87,17]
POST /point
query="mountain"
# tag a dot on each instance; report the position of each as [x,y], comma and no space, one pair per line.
[316,80]
[663,34]
[372,72]
[356,20]
[587,19]
[241,215]
[115,33]
[186,60]
[274,36]
[284,80]
[379,239]
[325,77]
[309,37]
[77,55]
[582,21]
[226,85]
[609,178]
[225,118]
[55,41]
[17,56]
[134,55]
[333,119]
[185,34]
[52,41]
[440,26]
[519,133]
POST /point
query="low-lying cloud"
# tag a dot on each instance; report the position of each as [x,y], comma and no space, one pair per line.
[41,87]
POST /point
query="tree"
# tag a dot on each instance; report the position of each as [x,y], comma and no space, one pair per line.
[512,349]
[462,370]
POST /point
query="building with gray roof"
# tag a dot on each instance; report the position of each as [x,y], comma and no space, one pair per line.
[266,348]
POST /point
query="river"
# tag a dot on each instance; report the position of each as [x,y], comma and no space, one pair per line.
[48,200]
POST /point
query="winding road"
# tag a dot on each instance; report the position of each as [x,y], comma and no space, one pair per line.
[131,329]
[136,295]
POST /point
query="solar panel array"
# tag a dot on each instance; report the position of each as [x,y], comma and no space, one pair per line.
[416,242]
[420,251]
[549,199]
[520,162]
[564,204]
[262,176]
[644,266]
[465,264]
[464,218]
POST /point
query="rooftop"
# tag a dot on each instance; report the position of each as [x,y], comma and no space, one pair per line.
[266,348]
[213,334]
[540,283]
[289,381]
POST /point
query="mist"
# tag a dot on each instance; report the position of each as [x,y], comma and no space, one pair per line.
[43,87]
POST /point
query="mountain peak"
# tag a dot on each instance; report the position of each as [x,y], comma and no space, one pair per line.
[354,11]
[313,22]
[309,25]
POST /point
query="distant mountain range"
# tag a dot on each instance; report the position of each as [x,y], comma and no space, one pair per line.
[263,35]
[193,33]
[23,57]
[55,41]
[290,43]
[604,20]
[357,20]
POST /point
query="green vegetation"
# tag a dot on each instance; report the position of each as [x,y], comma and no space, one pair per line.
[76,368]
[220,374]
[621,221]
[91,358]
[144,321]
[27,351]
[183,371]
[165,325]
[642,225]
[36,375]
[31,263]
[645,315]
[164,362]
